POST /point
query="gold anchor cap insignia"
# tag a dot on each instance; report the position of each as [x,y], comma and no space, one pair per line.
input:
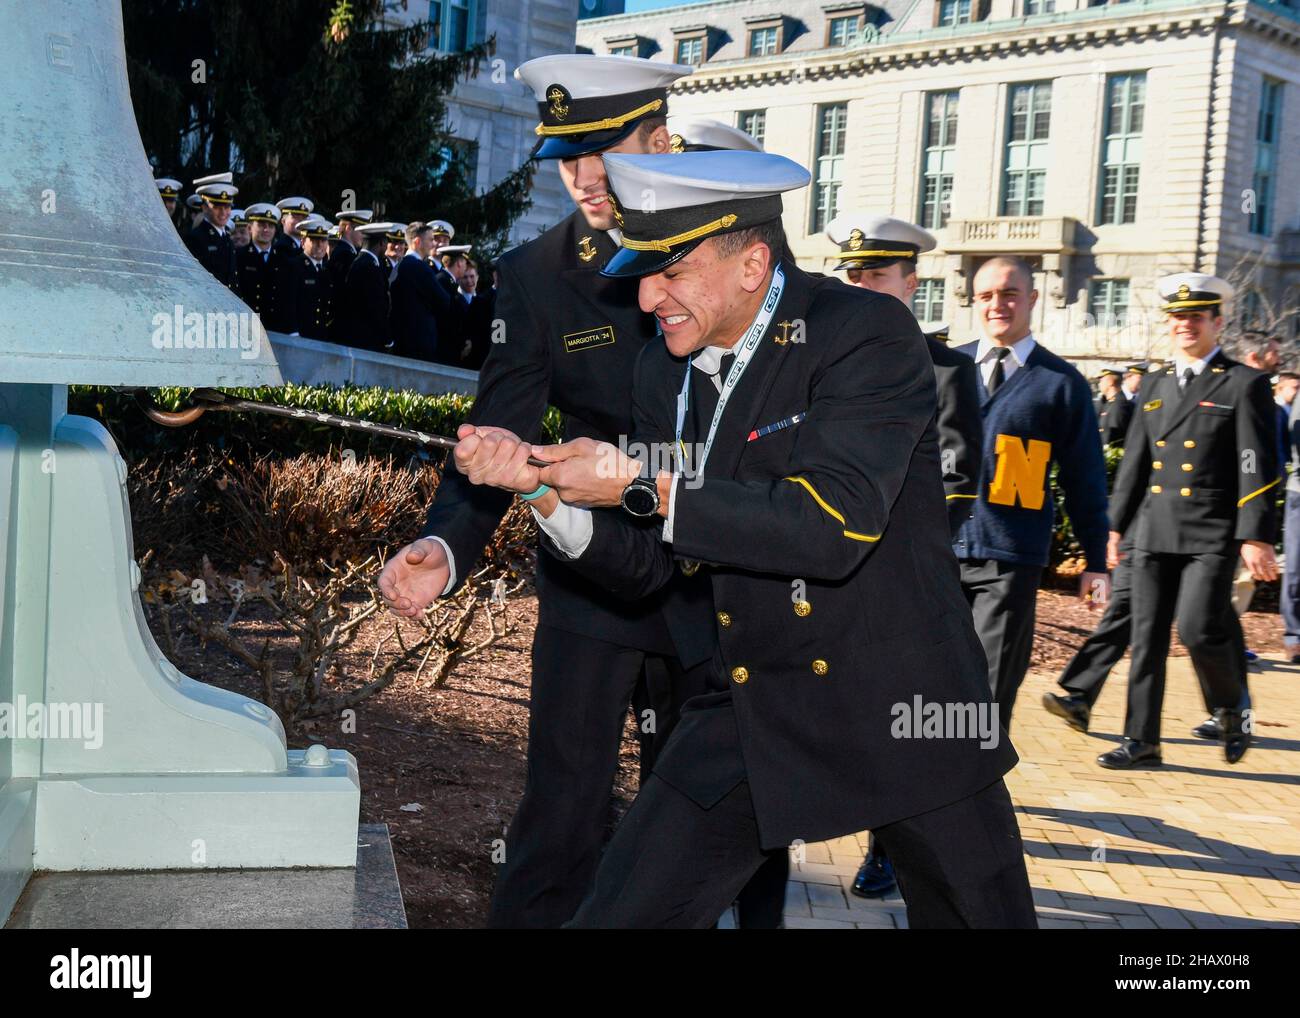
[585,251]
[1184,292]
[559,98]
[856,238]
[676,143]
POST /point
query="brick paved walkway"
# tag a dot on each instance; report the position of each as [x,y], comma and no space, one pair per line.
[1197,843]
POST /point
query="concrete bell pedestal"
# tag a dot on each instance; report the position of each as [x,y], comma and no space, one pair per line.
[181,775]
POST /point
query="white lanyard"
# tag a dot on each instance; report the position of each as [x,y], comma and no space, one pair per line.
[744,351]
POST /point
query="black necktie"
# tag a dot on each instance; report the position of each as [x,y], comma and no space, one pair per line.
[998,375]
[704,398]
[1189,376]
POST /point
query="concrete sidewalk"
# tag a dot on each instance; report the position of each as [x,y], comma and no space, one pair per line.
[1196,843]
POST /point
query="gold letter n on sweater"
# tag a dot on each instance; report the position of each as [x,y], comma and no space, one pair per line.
[1021,473]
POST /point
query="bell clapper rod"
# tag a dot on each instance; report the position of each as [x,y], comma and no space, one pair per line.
[213,399]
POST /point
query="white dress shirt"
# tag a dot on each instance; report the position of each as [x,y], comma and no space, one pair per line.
[986,357]
[1182,364]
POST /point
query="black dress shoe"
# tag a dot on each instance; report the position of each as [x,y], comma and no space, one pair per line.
[875,878]
[1074,708]
[1131,753]
[1235,739]
[1209,729]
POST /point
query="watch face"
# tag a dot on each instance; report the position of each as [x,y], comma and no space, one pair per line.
[640,500]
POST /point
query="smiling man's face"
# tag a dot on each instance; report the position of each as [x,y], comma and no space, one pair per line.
[585,180]
[1004,299]
[706,299]
[1194,332]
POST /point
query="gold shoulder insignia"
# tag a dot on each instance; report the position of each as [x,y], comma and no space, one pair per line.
[1155,404]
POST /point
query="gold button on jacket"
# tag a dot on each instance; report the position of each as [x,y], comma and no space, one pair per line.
[1156,489]
[724,619]
[803,609]
[820,667]
[740,674]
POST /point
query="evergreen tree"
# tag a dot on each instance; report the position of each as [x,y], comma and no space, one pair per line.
[318,97]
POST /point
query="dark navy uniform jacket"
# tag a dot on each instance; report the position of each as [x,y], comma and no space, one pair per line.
[365,296]
[214,250]
[315,299]
[960,428]
[838,604]
[1200,466]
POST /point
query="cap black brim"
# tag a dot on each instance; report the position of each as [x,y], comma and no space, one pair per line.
[559,147]
[627,262]
[865,263]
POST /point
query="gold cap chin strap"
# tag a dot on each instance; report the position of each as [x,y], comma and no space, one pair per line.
[608,124]
[668,243]
[846,255]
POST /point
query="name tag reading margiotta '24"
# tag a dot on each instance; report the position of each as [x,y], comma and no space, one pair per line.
[576,342]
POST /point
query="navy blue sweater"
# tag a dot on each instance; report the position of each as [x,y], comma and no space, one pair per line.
[1042,414]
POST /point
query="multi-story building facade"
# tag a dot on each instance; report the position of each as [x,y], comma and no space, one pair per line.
[1108,143]
[492,115]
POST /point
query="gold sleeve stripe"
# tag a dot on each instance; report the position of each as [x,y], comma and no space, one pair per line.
[833,512]
[1243,501]
[957,494]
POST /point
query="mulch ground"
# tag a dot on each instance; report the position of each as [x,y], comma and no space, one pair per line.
[444,767]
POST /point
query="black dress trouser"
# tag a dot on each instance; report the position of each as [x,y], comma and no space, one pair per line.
[1003,598]
[1091,665]
[673,864]
[1195,590]
[581,689]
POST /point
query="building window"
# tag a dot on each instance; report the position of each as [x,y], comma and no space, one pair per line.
[829,167]
[1121,148]
[753,123]
[1266,132]
[1108,302]
[762,41]
[453,24]
[939,158]
[691,51]
[927,302]
[954,12]
[1033,7]
[622,51]
[456,166]
[1024,180]
[1250,311]
[843,30]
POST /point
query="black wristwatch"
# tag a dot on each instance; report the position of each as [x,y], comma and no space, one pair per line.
[641,497]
